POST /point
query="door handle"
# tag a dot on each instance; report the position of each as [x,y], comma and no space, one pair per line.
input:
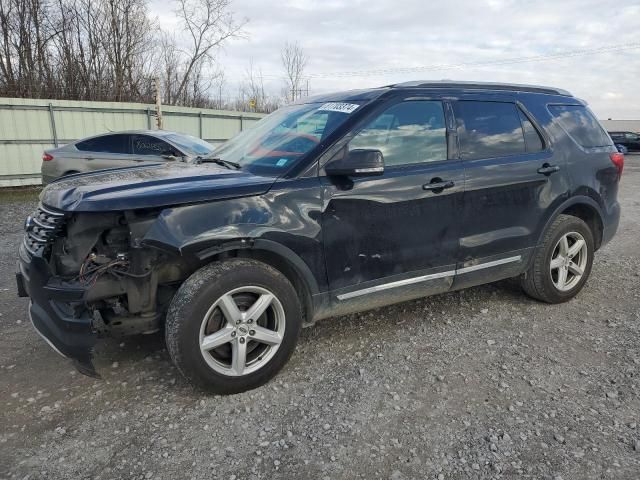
[547,169]
[437,185]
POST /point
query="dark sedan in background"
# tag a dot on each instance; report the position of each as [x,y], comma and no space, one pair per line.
[629,140]
[121,149]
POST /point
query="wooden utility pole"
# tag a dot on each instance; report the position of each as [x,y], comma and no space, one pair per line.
[156,89]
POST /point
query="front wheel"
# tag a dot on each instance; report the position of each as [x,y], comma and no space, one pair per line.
[562,264]
[233,325]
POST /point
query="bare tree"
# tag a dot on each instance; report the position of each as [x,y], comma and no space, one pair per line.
[294,61]
[252,95]
[127,45]
[208,23]
[170,66]
[111,49]
[219,85]
[25,36]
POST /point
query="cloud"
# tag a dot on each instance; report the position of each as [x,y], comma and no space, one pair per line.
[359,35]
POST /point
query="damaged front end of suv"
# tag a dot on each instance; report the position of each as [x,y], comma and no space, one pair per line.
[89,274]
[85,261]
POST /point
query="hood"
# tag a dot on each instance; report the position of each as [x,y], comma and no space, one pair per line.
[149,186]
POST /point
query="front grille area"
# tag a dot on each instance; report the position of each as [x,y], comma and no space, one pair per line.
[42,228]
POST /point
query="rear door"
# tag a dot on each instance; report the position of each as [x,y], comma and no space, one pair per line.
[393,237]
[106,151]
[511,180]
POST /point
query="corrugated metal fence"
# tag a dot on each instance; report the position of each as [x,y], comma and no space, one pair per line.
[29,126]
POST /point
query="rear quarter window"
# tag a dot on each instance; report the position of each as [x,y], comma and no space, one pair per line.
[581,125]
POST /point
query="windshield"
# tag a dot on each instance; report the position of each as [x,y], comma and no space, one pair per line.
[281,139]
[191,145]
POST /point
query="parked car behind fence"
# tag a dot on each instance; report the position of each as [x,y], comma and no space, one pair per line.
[121,149]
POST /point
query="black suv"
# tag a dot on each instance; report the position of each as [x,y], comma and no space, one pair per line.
[630,140]
[335,204]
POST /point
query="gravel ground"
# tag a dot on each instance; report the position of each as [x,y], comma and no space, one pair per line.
[483,383]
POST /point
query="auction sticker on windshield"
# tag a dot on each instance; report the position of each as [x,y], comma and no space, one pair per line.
[338,107]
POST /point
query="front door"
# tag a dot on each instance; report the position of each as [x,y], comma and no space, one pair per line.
[511,179]
[145,148]
[394,237]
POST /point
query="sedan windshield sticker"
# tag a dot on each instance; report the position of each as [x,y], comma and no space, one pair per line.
[339,107]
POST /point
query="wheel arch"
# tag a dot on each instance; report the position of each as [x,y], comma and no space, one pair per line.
[583,207]
[275,255]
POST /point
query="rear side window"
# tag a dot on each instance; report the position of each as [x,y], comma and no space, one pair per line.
[488,129]
[105,144]
[581,125]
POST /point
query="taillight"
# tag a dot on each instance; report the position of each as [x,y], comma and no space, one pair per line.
[617,159]
[46,157]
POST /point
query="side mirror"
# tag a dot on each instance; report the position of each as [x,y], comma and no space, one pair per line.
[358,163]
[169,157]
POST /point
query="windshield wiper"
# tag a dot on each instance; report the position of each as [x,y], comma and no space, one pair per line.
[218,161]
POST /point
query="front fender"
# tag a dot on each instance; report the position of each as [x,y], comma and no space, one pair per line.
[284,221]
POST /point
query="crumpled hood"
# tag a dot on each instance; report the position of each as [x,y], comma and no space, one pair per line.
[149,186]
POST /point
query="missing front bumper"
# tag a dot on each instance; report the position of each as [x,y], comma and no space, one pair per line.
[71,336]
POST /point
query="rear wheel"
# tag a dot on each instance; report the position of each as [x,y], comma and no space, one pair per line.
[562,264]
[233,325]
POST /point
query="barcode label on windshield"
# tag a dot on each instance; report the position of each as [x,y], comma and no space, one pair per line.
[338,107]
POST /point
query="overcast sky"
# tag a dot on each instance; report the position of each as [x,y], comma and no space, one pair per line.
[361,36]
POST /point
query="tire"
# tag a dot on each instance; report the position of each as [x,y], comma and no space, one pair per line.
[545,280]
[201,311]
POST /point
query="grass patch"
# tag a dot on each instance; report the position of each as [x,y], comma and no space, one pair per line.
[19,194]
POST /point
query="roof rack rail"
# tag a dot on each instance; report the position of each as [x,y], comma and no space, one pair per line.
[512,87]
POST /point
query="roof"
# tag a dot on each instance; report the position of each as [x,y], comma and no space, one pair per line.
[513,87]
[153,133]
[372,93]
[157,133]
[344,96]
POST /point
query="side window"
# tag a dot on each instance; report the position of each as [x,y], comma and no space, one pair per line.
[488,129]
[581,125]
[631,136]
[532,137]
[406,133]
[105,144]
[148,145]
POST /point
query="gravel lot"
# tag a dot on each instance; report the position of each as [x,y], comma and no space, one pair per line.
[483,383]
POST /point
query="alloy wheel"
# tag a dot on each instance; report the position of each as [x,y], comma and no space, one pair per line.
[568,261]
[242,331]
